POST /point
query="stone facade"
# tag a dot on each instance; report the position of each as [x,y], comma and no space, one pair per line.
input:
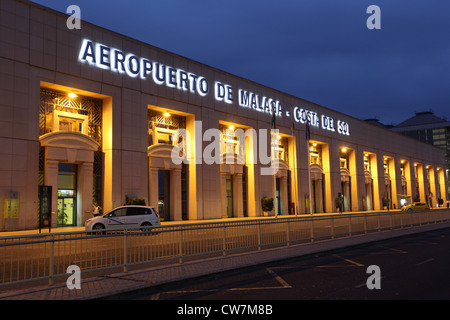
[129,154]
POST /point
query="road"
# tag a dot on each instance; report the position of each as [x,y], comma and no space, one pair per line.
[412,267]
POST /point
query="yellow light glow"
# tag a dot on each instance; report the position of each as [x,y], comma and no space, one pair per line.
[72,95]
[278,137]
[314,144]
[231,127]
[344,149]
[166,114]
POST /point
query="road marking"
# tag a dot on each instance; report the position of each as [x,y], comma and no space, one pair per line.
[348,260]
[284,285]
[423,262]
[428,242]
[155,296]
[393,249]
[278,278]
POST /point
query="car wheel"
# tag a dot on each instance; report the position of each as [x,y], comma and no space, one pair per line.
[98,227]
[146,226]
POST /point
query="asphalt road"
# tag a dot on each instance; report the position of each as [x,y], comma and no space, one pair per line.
[415,267]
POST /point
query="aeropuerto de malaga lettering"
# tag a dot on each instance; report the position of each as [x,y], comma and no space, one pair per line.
[115,60]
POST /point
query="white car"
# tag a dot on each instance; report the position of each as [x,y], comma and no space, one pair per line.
[125,217]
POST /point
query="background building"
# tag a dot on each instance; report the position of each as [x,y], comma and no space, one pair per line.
[428,128]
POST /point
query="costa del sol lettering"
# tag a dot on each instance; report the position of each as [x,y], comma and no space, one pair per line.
[115,60]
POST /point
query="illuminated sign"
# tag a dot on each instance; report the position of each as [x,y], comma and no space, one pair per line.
[115,60]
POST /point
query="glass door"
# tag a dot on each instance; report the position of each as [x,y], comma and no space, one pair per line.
[66,211]
[67,199]
[229,192]
[278,197]
[164,195]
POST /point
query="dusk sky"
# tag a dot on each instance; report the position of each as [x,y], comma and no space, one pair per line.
[317,50]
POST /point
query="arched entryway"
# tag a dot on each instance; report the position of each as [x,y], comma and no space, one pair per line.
[165,182]
[68,169]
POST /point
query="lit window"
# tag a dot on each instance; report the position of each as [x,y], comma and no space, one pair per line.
[68,121]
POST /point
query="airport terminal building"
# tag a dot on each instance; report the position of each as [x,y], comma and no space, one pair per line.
[89,115]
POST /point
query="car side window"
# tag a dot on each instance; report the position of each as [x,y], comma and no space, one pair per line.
[135,211]
[122,212]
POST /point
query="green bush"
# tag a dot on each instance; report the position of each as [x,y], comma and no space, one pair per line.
[267,204]
[134,201]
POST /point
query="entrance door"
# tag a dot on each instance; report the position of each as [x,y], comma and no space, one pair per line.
[164,194]
[229,191]
[278,197]
[66,211]
[67,186]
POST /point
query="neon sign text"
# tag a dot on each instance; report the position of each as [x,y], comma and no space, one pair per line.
[115,60]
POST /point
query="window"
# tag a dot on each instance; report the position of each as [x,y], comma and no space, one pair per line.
[366,162]
[386,165]
[161,127]
[315,154]
[134,211]
[343,160]
[281,149]
[68,121]
[122,212]
[58,112]
[402,169]
[232,139]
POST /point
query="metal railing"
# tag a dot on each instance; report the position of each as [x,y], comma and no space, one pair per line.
[47,256]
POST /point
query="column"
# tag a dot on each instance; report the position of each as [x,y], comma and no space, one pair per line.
[51,179]
[284,195]
[84,190]
[223,194]
[237,194]
[175,195]
[153,188]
